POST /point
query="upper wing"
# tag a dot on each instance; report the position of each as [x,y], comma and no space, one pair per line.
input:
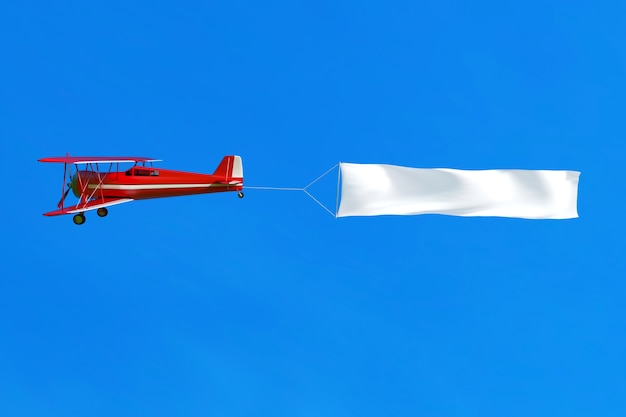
[97,159]
[91,205]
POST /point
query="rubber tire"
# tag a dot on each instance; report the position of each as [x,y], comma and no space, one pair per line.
[240,194]
[102,212]
[79,219]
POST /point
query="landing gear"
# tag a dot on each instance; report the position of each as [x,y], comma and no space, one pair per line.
[79,219]
[102,211]
[240,194]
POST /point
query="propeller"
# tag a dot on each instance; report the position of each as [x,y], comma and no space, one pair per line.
[69,188]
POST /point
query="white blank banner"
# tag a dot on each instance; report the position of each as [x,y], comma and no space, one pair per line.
[375,189]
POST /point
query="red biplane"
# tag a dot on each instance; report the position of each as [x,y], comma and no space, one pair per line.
[97,189]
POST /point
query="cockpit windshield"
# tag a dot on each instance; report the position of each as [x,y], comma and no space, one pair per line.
[142,172]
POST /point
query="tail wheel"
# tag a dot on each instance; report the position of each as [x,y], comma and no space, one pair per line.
[102,211]
[79,218]
[240,194]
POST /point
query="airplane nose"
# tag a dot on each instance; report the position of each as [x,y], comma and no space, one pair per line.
[74,185]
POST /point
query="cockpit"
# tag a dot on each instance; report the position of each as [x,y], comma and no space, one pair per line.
[142,172]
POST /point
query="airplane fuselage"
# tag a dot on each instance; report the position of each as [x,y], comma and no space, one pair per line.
[147,182]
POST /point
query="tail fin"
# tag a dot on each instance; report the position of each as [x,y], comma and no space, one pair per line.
[231,168]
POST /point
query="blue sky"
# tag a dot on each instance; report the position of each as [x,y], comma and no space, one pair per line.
[211,305]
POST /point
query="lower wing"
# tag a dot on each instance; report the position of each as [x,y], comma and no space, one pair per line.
[90,205]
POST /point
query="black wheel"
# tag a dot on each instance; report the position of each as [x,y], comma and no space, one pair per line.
[102,211]
[79,218]
[240,194]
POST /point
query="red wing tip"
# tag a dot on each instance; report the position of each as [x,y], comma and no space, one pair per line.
[56,213]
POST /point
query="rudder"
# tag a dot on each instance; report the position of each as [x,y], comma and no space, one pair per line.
[230,168]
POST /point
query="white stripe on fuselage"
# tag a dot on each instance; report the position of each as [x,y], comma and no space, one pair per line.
[158,186]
